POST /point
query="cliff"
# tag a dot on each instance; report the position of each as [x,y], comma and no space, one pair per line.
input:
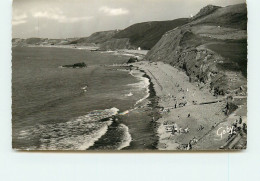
[211,49]
[115,44]
[144,35]
[147,34]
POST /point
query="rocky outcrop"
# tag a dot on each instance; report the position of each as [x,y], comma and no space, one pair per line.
[205,11]
[132,60]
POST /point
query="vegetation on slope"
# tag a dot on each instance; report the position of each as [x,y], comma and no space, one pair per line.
[147,34]
[96,38]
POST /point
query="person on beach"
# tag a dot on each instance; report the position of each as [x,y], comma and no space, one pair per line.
[235,124]
[240,120]
[174,128]
[189,147]
[245,127]
[215,124]
[200,128]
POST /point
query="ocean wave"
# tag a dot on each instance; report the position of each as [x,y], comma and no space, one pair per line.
[117,137]
[142,84]
[125,112]
[77,134]
[108,51]
[129,95]
[143,81]
[142,99]
[128,54]
[126,137]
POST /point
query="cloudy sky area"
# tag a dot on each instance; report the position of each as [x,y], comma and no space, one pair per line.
[80,18]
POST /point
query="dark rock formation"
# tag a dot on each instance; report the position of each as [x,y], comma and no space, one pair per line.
[76,65]
[132,60]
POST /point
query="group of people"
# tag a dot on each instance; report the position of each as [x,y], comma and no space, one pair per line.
[176,129]
[239,126]
[188,146]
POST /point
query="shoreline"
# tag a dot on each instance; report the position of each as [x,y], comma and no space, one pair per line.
[144,113]
[154,104]
[192,110]
[147,127]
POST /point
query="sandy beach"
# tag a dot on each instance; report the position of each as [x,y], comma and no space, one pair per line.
[190,117]
[190,108]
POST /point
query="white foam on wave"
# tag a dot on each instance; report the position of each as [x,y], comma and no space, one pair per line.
[129,95]
[77,134]
[108,51]
[122,70]
[91,139]
[141,100]
[128,54]
[143,81]
[126,138]
[142,84]
[85,88]
[125,112]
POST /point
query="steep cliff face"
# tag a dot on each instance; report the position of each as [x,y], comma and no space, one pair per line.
[115,44]
[212,54]
[147,34]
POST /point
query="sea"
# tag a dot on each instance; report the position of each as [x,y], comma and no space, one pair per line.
[105,106]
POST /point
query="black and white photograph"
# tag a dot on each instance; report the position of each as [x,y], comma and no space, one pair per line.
[140,75]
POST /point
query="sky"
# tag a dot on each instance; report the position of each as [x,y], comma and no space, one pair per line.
[81,18]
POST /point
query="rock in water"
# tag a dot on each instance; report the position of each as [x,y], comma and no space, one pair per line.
[132,60]
[76,65]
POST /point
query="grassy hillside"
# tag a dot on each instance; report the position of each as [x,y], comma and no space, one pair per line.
[34,41]
[144,35]
[96,38]
[234,16]
[147,34]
